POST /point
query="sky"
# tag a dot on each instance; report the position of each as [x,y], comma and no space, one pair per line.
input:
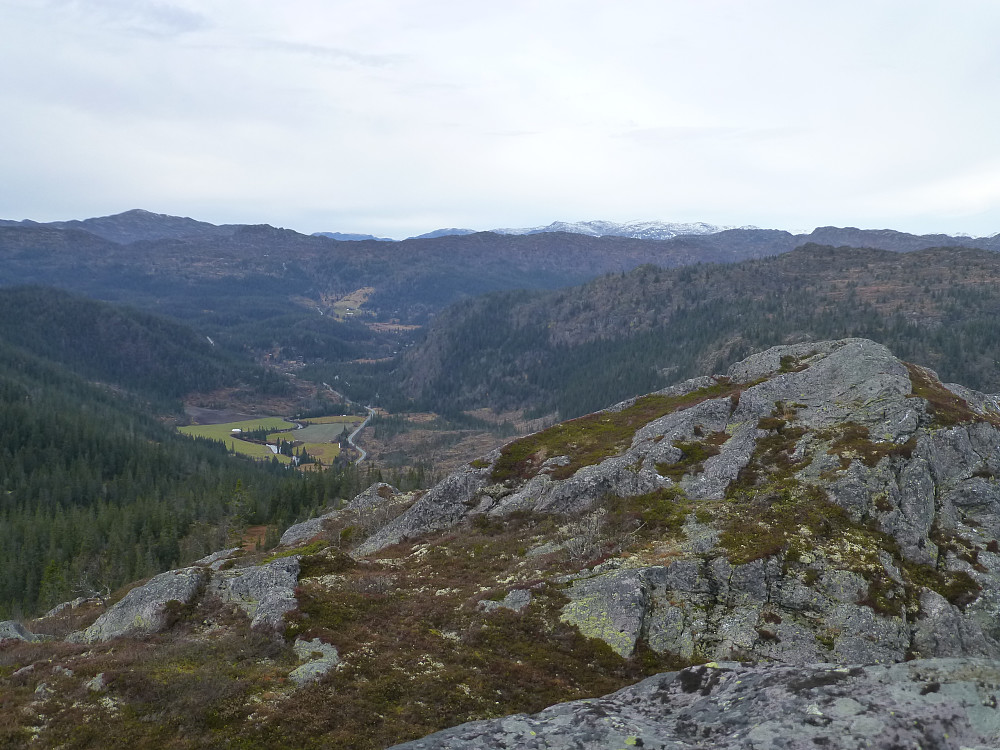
[397,117]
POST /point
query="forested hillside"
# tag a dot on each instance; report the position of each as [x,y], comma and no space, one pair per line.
[135,350]
[577,350]
[95,492]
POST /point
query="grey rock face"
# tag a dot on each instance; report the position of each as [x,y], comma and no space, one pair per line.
[373,497]
[516,600]
[370,510]
[306,530]
[264,592]
[13,630]
[851,380]
[944,631]
[96,683]
[216,559]
[63,606]
[938,703]
[442,506]
[857,437]
[144,609]
[611,607]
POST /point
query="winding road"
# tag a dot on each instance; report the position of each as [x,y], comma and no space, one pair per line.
[350,438]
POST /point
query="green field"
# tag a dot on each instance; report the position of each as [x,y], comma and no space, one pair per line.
[320,437]
[224,432]
[325,453]
[323,433]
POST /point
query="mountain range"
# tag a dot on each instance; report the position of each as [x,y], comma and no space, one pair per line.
[138,224]
[275,292]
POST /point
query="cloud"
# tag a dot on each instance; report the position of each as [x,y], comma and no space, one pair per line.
[381,115]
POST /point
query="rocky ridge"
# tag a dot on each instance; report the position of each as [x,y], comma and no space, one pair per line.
[818,504]
[840,506]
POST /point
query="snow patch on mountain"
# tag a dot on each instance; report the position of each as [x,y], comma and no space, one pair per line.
[642,230]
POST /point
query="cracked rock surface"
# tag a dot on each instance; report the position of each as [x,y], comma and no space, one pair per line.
[936,703]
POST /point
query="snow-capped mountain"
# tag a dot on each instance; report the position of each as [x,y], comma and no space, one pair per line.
[643,230]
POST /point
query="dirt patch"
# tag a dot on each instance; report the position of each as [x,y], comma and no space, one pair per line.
[253,537]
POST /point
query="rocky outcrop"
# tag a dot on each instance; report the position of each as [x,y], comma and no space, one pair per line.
[216,560]
[854,380]
[146,609]
[13,630]
[940,703]
[516,601]
[80,601]
[264,592]
[611,607]
[709,609]
[306,530]
[368,511]
[842,506]
[442,506]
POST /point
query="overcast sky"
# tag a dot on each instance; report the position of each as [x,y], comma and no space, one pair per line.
[395,117]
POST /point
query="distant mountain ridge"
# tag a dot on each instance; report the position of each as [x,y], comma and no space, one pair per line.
[140,225]
[639,230]
[350,237]
[136,225]
[263,289]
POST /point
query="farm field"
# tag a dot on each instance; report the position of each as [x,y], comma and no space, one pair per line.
[325,453]
[319,436]
[350,305]
[223,432]
[323,433]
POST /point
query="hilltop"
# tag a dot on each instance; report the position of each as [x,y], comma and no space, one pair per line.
[819,503]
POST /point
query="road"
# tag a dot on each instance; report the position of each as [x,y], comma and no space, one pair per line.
[350,438]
